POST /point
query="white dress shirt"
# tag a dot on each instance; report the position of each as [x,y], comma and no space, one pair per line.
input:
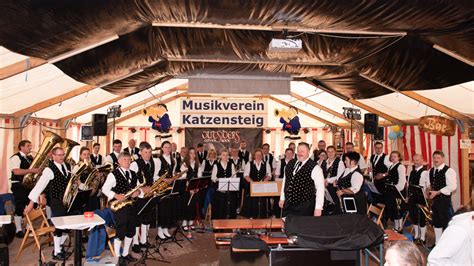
[278,167]
[257,165]
[356,179]
[340,170]
[109,158]
[318,178]
[214,176]
[110,183]
[402,176]
[456,245]
[184,167]
[168,160]
[134,167]
[43,181]
[203,166]
[451,180]
[386,161]
[15,163]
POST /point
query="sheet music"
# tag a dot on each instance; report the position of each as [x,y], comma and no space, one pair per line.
[265,187]
[228,184]
[372,187]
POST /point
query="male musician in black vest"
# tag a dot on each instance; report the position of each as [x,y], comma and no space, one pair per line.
[20,163]
[55,177]
[132,149]
[201,153]
[418,177]
[244,154]
[96,159]
[292,146]
[235,159]
[350,148]
[175,154]
[267,156]
[146,169]
[379,163]
[113,156]
[280,176]
[443,182]
[321,147]
[118,183]
[303,185]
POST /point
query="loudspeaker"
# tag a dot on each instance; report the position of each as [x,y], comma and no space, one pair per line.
[371,123]
[86,133]
[380,134]
[99,124]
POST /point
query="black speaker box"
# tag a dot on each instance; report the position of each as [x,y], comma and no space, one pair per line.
[371,123]
[99,124]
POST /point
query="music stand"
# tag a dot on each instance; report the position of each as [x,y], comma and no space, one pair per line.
[198,184]
[79,200]
[417,196]
[228,185]
[179,188]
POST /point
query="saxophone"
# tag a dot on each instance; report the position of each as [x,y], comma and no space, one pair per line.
[127,199]
[92,181]
[72,187]
[41,159]
[160,186]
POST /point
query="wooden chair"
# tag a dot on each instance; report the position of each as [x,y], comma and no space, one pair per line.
[36,216]
[111,233]
[377,212]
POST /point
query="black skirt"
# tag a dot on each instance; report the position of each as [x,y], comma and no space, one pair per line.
[224,205]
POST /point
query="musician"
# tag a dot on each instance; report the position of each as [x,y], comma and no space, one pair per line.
[113,156]
[96,158]
[191,164]
[146,169]
[349,184]
[267,156]
[280,176]
[302,191]
[116,186]
[350,148]
[379,163]
[321,147]
[224,204]
[93,202]
[176,155]
[201,153]
[443,182]
[132,149]
[207,194]
[322,161]
[55,178]
[419,177]
[292,146]
[397,176]
[235,159]
[256,170]
[244,154]
[166,206]
[20,163]
[335,168]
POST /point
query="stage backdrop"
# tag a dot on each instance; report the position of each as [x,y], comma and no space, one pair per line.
[220,138]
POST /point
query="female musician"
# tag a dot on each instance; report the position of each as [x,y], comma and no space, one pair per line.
[322,161]
[84,156]
[350,183]
[190,202]
[396,176]
[334,169]
[207,166]
[224,203]
[255,171]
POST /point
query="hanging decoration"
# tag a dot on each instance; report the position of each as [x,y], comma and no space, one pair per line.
[159,119]
[396,133]
[290,121]
[437,125]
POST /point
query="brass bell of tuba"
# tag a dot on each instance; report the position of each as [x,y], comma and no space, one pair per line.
[72,187]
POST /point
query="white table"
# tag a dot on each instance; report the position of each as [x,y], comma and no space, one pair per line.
[5,219]
[77,223]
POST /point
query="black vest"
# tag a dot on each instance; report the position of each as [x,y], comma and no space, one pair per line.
[299,187]
[122,185]
[282,167]
[114,159]
[438,180]
[192,171]
[324,168]
[415,176]
[380,167]
[221,172]
[166,167]
[24,164]
[258,175]
[237,163]
[208,168]
[345,181]
[332,170]
[244,156]
[270,159]
[202,156]
[142,170]
[97,161]
[393,174]
[177,157]
[58,184]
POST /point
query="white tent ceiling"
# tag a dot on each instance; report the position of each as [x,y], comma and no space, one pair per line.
[47,81]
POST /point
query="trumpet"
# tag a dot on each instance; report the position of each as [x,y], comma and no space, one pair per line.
[72,187]
[127,199]
[160,186]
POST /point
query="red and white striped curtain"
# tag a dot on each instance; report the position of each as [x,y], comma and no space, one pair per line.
[7,150]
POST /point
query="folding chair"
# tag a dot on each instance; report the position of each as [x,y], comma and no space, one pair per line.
[36,216]
[110,234]
[376,211]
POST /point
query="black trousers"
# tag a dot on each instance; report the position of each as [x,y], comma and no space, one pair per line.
[299,209]
[416,215]
[441,211]
[189,211]
[57,210]
[391,209]
[167,211]
[20,194]
[93,203]
[255,207]
[147,215]
[224,203]
[125,222]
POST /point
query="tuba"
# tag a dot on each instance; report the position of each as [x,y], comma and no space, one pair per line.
[93,181]
[160,186]
[127,199]
[41,159]
[72,186]
[67,146]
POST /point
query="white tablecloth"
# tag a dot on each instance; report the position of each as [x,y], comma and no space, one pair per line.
[76,222]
